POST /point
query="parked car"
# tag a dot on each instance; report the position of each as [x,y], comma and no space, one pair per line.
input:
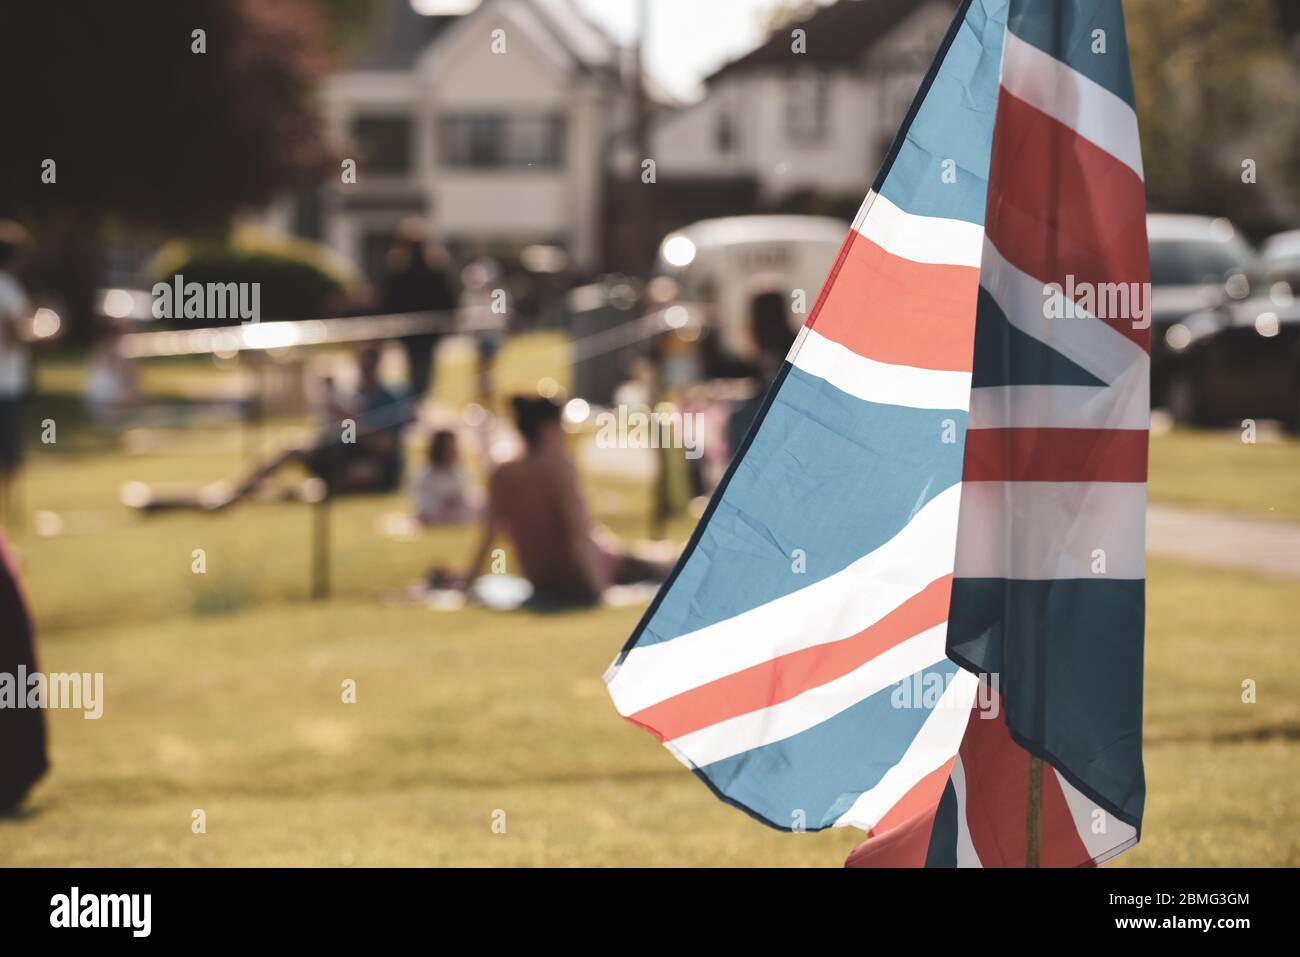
[1197,263]
[1240,360]
[1280,258]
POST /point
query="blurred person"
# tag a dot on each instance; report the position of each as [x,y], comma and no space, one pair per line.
[536,501]
[112,388]
[22,730]
[359,450]
[15,313]
[486,304]
[417,281]
[769,325]
[442,493]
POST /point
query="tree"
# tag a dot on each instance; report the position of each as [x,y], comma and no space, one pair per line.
[155,113]
[1215,87]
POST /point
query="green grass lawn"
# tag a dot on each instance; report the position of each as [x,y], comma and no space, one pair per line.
[462,715]
[223,693]
[1216,469]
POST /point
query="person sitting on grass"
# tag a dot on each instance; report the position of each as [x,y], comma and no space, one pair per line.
[360,450]
[535,500]
[442,494]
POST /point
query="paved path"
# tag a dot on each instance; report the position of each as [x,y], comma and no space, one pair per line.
[1222,538]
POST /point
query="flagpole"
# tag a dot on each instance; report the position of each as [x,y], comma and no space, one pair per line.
[1034,803]
[1034,813]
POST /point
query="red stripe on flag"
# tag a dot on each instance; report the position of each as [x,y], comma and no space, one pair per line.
[1059,842]
[905,846]
[902,837]
[924,795]
[997,802]
[784,677]
[1056,455]
[894,310]
[1059,206]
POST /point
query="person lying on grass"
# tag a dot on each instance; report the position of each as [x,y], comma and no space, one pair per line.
[535,500]
[360,450]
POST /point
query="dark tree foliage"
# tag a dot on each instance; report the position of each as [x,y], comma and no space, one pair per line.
[1216,87]
[144,131]
[142,128]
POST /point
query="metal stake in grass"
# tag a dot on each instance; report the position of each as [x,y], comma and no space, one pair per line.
[1034,812]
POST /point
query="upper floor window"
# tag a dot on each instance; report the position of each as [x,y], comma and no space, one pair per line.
[724,133]
[384,143]
[807,107]
[498,140]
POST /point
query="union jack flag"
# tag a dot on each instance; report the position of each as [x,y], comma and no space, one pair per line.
[915,604]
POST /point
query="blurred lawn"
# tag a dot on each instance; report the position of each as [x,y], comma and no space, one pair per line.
[1215,469]
[223,692]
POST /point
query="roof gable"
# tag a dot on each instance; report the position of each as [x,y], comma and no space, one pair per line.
[837,35]
[402,37]
[398,38]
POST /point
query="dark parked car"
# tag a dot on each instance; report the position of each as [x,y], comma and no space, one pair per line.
[1197,263]
[1238,361]
[1280,258]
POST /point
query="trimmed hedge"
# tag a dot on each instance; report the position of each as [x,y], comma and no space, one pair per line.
[300,279]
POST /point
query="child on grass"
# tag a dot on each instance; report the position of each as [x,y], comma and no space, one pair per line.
[442,493]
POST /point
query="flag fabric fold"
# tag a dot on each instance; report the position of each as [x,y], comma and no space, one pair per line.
[924,495]
[1049,588]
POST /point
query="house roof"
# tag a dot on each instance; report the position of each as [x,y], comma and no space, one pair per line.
[591,46]
[401,34]
[397,38]
[837,35]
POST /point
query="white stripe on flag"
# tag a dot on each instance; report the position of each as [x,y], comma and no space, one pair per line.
[1069,97]
[809,709]
[934,745]
[1051,530]
[1083,339]
[967,856]
[880,382]
[1125,404]
[922,239]
[1115,836]
[836,607]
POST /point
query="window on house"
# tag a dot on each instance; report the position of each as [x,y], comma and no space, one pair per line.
[497,141]
[308,217]
[724,133]
[807,107]
[384,143]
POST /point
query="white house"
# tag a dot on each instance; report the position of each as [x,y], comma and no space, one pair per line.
[503,125]
[814,108]
[492,123]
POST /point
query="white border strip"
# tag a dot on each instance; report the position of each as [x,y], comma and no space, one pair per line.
[1125,404]
[1069,97]
[922,239]
[816,705]
[880,382]
[967,856]
[1116,836]
[1052,530]
[1097,347]
[828,610]
[934,745]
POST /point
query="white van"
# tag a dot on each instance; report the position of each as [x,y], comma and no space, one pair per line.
[723,263]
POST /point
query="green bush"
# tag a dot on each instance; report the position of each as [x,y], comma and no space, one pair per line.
[300,279]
